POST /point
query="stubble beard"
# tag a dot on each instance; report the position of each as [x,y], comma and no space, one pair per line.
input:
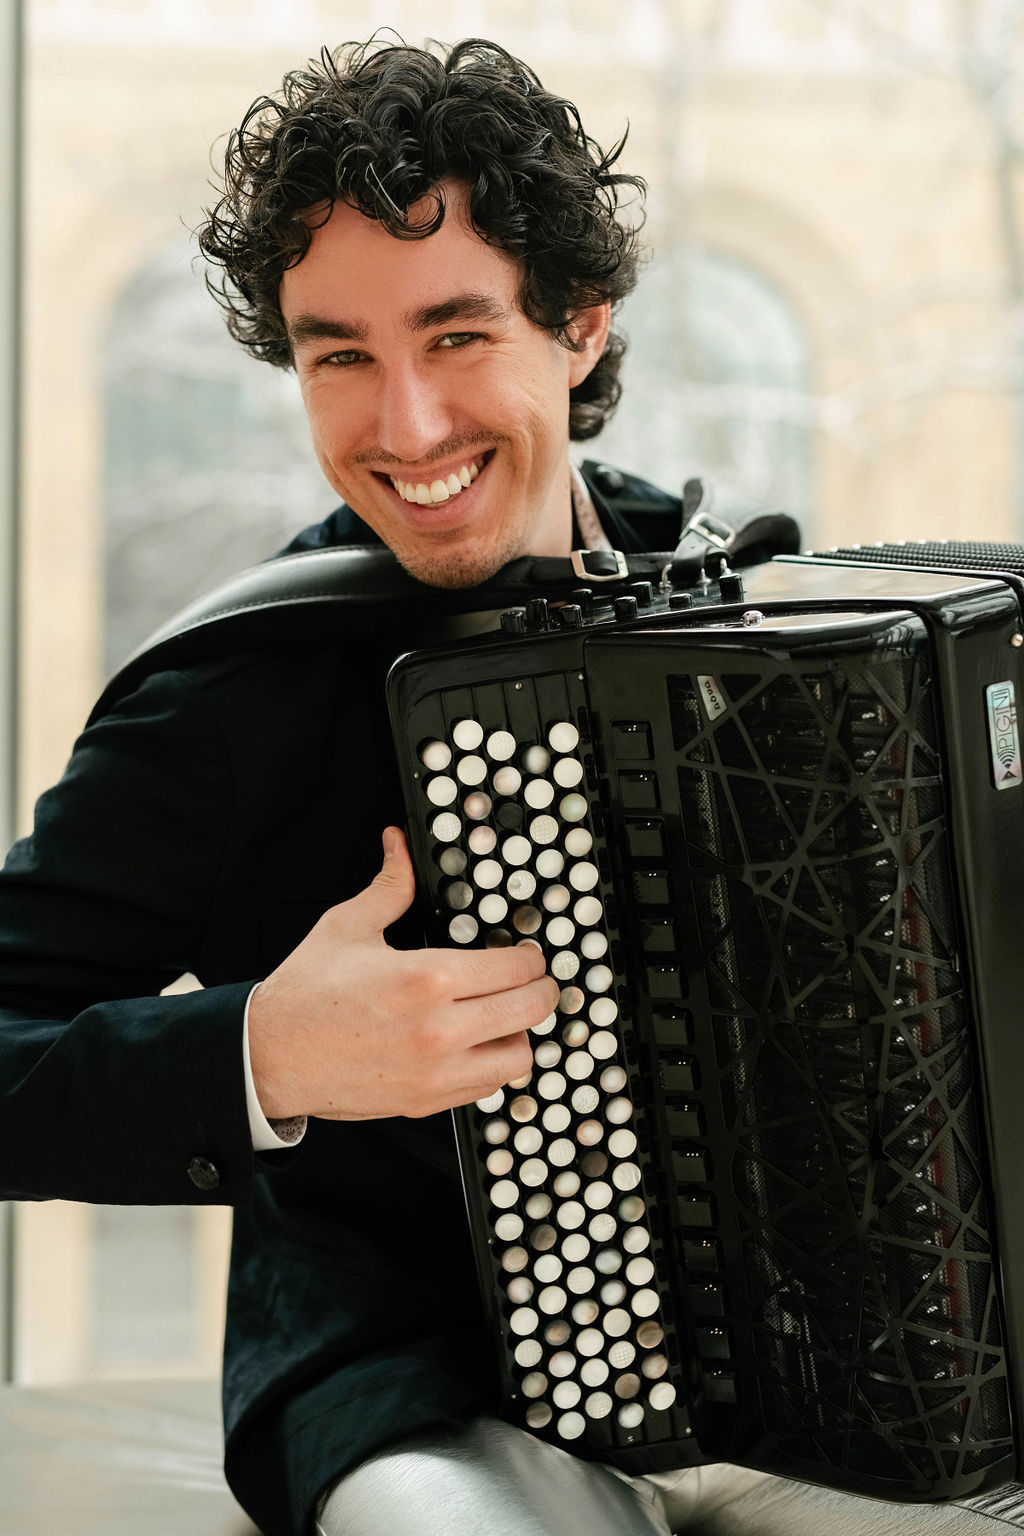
[454,569]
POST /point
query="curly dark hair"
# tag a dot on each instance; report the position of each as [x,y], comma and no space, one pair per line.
[379,126]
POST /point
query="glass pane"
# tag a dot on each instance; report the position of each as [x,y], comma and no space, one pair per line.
[833,321]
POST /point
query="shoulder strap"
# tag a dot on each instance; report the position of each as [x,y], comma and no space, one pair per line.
[352,589]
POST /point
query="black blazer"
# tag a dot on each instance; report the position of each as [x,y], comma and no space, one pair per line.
[203,824]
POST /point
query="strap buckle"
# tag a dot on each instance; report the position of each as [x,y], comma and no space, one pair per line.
[578,560]
[718,534]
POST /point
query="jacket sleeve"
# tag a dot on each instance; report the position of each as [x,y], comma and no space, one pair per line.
[110,1092]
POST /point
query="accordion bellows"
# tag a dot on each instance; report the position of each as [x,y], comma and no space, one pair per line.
[758,1200]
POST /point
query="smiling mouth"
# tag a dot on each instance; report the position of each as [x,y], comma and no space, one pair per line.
[435,492]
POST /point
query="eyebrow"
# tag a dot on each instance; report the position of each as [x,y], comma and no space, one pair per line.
[461,306]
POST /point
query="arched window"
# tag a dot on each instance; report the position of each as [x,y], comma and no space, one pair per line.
[716,383]
[207,461]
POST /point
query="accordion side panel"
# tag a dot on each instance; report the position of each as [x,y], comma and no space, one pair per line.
[846,1325]
[739,1211]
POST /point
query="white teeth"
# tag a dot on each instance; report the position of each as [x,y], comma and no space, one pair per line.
[439,490]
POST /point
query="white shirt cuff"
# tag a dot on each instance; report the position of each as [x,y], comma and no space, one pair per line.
[267,1135]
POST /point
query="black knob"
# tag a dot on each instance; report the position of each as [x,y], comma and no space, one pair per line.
[584,596]
[731,588]
[680,600]
[537,613]
[625,608]
[643,592]
[571,616]
[513,621]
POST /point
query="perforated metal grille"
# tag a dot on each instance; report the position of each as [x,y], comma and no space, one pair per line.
[956,554]
[813,814]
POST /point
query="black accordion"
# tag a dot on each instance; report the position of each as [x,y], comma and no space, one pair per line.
[761,1199]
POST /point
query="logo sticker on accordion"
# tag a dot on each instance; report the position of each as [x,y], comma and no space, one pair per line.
[512,835]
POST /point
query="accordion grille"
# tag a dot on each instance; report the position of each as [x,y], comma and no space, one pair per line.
[812,814]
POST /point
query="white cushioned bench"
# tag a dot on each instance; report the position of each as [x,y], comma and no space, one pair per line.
[115,1459]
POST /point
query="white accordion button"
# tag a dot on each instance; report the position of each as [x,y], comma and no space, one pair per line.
[662,1395]
[442,790]
[521,886]
[492,908]
[543,829]
[463,928]
[538,794]
[563,737]
[578,842]
[594,1373]
[446,827]
[435,756]
[538,1415]
[507,780]
[528,1352]
[482,840]
[583,876]
[567,772]
[471,770]
[536,760]
[571,1426]
[645,1303]
[467,735]
[550,863]
[572,808]
[524,1320]
[504,1194]
[500,745]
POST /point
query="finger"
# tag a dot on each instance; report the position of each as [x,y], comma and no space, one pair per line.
[482,972]
[495,1064]
[499,1014]
[389,894]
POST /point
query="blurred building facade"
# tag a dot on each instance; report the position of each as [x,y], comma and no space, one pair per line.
[832,320]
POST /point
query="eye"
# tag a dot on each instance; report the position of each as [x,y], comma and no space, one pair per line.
[454,339]
[343,359]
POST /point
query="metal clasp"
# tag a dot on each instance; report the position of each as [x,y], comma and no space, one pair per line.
[710,528]
[578,560]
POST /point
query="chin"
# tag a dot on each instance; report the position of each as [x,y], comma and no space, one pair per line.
[454,569]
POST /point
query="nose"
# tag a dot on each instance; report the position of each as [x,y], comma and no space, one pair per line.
[414,414]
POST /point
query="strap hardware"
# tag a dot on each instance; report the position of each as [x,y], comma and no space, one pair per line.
[717,533]
[579,557]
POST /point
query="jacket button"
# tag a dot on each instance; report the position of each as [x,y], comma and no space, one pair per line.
[609,479]
[203,1173]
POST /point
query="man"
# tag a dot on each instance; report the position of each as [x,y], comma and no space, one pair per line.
[433,243]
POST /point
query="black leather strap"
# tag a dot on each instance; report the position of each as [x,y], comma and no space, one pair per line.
[352,588]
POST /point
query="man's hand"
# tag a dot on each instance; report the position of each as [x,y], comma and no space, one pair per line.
[349,1029]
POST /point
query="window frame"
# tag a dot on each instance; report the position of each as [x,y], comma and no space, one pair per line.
[11,95]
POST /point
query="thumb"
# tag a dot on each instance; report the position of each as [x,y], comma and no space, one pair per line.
[390,892]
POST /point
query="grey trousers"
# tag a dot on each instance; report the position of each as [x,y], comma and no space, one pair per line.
[491,1479]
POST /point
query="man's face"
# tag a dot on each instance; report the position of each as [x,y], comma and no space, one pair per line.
[438,411]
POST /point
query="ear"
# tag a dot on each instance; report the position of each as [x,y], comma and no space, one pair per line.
[589,331]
